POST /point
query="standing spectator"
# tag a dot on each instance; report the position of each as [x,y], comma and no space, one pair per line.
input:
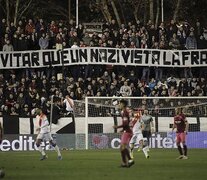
[191,42]
[12,28]
[15,41]
[43,42]
[33,40]
[40,27]
[145,74]
[86,39]
[181,36]
[80,31]
[53,28]
[198,29]
[73,38]
[29,27]
[8,46]
[174,42]
[59,42]
[22,43]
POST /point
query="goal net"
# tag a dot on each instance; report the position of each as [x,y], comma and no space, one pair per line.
[102,113]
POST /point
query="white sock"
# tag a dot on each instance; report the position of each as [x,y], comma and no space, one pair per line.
[41,150]
[145,149]
[57,150]
[131,146]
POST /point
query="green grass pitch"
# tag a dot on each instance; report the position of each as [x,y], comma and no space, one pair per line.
[104,165]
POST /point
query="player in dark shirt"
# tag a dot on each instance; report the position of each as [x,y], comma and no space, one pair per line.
[181,125]
[126,135]
[56,110]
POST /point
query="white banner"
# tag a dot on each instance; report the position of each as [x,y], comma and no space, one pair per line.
[107,56]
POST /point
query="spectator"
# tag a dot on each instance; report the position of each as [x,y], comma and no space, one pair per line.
[171,81]
[86,39]
[174,42]
[75,45]
[103,80]
[8,46]
[29,27]
[125,90]
[53,28]
[202,42]
[191,42]
[181,36]
[43,42]
[59,42]
[40,27]
[145,74]
[22,43]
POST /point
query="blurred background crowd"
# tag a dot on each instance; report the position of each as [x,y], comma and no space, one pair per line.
[21,90]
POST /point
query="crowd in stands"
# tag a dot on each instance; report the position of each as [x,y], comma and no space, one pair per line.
[23,90]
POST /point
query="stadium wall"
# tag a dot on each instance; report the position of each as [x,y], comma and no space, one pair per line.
[97,141]
[21,135]
[19,125]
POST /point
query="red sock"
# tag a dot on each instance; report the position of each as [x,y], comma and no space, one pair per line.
[123,156]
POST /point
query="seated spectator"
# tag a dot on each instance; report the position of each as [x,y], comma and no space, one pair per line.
[125,90]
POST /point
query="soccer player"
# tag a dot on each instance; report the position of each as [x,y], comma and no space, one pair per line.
[126,134]
[56,110]
[44,134]
[181,125]
[137,125]
[1,133]
[69,103]
[148,125]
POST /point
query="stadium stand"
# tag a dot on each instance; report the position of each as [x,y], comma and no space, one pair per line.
[22,90]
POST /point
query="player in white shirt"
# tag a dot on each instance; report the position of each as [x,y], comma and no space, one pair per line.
[69,103]
[137,125]
[44,134]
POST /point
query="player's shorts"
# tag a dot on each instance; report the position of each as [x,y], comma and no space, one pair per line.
[180,137]
[125,138]
[136,138]
[146,134]
[45,136]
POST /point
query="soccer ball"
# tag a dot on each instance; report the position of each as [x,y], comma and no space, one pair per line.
[2,173]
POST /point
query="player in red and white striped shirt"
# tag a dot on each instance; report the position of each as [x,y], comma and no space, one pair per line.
[137,126]
[44,134]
